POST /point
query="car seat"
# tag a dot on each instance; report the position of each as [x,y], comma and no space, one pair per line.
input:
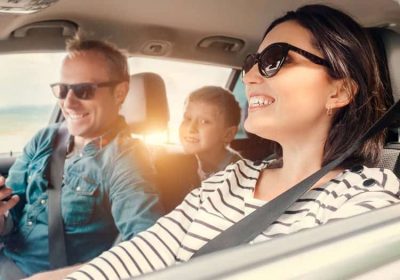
[388,43]
[146,107]
[146,111]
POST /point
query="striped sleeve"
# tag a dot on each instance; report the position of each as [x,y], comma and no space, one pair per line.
[150,250]
[385,194]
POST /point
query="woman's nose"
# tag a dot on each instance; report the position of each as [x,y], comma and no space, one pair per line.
[252,76]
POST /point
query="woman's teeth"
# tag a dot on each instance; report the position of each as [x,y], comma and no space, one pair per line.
[257,101]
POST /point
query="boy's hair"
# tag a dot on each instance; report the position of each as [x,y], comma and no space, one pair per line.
[220,97]
[116,59]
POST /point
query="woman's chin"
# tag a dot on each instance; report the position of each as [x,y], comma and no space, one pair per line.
[254,128]
[263,131]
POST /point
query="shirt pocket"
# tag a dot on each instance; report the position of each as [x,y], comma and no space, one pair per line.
[79,201]
[36,183]
[32,220]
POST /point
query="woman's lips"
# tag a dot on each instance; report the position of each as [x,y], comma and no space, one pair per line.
[258,101]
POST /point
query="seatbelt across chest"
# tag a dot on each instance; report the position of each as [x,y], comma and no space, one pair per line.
[55,171]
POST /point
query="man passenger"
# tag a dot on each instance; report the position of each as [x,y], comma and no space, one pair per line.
[107,186]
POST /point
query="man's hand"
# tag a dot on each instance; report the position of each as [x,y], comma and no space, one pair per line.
[6,205]
[5,193]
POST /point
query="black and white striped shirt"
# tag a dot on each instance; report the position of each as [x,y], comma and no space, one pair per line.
[226,198]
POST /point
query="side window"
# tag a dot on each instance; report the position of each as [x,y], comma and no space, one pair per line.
[180,79]
[240,95]
[26,101]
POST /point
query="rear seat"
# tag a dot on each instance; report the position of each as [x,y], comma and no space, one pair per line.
[146,106]
[146,111]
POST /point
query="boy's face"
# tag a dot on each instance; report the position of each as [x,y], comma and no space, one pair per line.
[203,128]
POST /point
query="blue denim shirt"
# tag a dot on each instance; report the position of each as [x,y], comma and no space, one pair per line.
[106,190]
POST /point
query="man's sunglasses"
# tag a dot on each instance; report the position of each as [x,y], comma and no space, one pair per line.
[271,59]
[84,91]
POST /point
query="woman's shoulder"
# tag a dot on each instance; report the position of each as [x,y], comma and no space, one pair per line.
[243,173]
[365,186]
[358,190]
[372,179]
[243,168]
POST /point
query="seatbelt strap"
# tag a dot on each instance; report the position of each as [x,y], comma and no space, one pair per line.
[255,223]
[55,169]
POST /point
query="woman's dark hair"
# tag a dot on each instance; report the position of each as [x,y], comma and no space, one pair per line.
[351,55]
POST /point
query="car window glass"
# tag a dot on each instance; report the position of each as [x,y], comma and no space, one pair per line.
[240,95]
[26,100]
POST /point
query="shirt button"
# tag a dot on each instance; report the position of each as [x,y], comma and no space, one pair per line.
[30,223]
[29,178]
[369,182]
[80,154]
[43,201]
[357,169]
[78,188]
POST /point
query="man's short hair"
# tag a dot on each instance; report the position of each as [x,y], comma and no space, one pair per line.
[115,58]
[220,97]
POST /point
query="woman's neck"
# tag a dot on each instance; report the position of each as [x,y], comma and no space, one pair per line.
[298,162]
[303,154]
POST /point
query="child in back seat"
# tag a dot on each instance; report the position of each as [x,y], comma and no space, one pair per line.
[210,122]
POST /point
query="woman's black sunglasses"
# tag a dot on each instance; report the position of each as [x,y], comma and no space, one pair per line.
[84,91]
[271,59]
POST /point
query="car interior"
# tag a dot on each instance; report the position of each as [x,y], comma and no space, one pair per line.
[210,33]
[152,29]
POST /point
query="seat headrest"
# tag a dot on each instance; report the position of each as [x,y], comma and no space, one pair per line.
[391,41]
[146,107]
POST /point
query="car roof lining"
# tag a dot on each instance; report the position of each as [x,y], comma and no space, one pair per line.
[133,23]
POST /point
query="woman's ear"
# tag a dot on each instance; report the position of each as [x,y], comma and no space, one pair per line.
[230,133]
[120,92]
[344,92]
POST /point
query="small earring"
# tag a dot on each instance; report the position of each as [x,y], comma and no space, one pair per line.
[329,110]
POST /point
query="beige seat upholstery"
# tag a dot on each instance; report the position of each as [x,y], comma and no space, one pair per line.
[146,111]
[146,107]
